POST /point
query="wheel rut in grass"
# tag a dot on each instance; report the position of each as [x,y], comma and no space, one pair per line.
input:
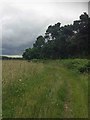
[49,90]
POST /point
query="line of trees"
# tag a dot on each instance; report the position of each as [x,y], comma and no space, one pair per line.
[67,41]
[10,58]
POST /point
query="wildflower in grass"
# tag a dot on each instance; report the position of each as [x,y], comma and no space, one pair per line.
[20,80]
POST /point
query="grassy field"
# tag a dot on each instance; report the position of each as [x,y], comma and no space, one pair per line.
[48,89]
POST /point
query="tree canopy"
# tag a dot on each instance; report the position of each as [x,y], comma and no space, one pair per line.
[62,41]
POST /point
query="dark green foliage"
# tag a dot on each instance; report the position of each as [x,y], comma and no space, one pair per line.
[39,42]
[79,65]
[69,41]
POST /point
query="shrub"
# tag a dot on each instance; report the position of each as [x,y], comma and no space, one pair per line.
[80,65]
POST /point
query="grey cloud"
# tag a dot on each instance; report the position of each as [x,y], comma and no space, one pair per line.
[20,33]
[21,26]
[9,50]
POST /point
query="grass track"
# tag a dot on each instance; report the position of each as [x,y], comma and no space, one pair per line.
[43,90]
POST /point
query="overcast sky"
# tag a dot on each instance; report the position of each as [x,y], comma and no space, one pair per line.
[23,21]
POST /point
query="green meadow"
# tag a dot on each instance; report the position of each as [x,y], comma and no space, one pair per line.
[45,88]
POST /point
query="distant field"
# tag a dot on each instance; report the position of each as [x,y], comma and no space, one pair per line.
[45,89]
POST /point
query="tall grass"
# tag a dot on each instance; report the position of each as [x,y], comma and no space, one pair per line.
[45,89]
